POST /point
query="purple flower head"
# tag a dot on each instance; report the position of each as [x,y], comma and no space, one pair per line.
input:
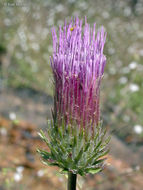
[78,64]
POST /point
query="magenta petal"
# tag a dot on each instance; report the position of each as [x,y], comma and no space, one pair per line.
[78,64]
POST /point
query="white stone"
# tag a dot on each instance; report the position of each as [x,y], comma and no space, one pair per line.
[134,87]
[40,173]
[133,65]
[17,177]
[19,169]
[12,116]
[3,131]
[138,129]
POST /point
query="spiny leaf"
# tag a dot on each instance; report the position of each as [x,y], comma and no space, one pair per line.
[87,146]
[93,171]
[100,155]
[78,156]
[98,161]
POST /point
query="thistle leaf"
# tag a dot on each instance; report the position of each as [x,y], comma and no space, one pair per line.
[94,171]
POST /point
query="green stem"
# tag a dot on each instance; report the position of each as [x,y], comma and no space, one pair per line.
[71,181]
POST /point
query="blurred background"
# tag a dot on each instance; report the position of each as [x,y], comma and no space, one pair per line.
[26,91]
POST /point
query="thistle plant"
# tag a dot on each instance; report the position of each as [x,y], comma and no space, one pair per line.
[75,138]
